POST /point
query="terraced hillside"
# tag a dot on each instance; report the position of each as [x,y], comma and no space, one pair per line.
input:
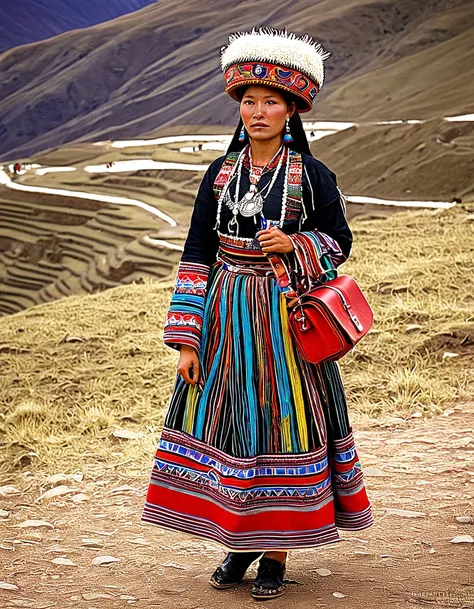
[53,246]
[133,222]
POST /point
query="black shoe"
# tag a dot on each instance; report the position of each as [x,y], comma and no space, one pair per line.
[232,570]
[269,582]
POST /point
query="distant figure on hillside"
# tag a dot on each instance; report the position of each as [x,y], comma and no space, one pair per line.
[257,451]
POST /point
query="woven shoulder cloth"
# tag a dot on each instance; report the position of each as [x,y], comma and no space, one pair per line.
[294,200]
[224,174]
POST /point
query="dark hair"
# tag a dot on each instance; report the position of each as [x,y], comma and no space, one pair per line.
[300,141]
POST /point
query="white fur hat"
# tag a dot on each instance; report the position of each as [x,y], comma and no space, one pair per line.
[274,58]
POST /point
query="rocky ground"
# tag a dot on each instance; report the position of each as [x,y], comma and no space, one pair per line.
[77,541]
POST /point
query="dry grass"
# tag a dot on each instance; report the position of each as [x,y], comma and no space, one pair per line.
[74,370]
[417,269]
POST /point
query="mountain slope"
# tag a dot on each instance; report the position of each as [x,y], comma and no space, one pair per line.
[33,20]
[429,74]
[159,67]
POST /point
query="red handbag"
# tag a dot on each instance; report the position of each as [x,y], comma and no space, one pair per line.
[327,321]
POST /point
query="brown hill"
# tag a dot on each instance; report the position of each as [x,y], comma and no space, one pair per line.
[159,67]
[425,73]
[431,161]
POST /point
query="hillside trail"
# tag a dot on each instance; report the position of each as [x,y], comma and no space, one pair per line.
[420,476]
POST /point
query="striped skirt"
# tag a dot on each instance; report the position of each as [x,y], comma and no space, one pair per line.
[259,455]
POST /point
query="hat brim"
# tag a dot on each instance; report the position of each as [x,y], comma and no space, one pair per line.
[271,75]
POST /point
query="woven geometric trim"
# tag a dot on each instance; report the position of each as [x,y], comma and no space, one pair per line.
[302,88]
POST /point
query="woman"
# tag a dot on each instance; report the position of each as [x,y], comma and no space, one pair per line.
[257,451]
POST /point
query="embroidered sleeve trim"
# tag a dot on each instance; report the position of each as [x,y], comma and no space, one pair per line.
[183,323]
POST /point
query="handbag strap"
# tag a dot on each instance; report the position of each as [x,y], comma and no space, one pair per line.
[282,275]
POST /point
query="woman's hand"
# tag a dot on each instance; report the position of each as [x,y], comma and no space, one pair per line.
[188,364]
[273,240]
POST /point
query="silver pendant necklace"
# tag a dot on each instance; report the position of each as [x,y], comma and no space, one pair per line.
[253,200]
[251,203]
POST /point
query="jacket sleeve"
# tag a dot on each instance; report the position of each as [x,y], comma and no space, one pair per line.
[183,322]
[325,240]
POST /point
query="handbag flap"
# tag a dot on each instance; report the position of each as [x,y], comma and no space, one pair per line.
[344,302]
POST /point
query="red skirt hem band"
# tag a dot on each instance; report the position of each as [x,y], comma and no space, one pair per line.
[276,502]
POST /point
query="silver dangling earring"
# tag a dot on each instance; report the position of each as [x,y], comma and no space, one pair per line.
[242,134]
[287,138]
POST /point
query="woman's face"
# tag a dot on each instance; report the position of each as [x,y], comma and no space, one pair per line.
[264,111]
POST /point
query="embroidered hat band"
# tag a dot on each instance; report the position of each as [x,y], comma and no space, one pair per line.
[277,59]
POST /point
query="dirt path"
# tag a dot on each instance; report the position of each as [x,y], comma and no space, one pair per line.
[425,466]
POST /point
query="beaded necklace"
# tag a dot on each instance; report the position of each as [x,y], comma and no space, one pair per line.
[251,203]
